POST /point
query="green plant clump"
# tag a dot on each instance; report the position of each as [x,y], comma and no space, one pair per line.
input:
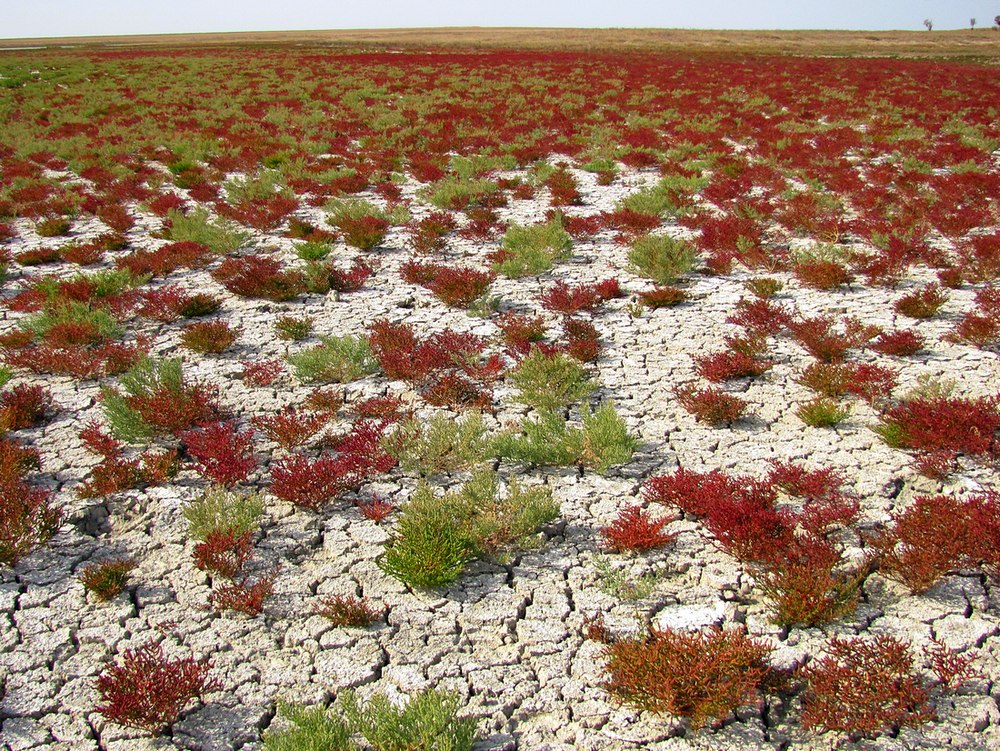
[220,510]
[441,444]
[436,536]
[428,722]
[338,359]
[533,249]
[220,235]
[309,729]
[550,383]
[602,442]
[822,413]
[662,258]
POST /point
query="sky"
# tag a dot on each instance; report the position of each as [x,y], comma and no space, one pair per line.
[37,18]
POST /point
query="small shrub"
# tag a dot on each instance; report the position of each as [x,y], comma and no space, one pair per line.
[218,235]
[808,584]
[347,610]
[899,343]
[711,406]
[601,443]
[582,340]
[455,287]
[291,428]
[352,279]
[922,303]
[243,596]
[156,399]
[550,382]
[441,444]
[729,365]
[24,406]
[976,329]
[259,277]
[221,510]
[662,258]
[563,188]
[863,687]
[943,424]
[362,224]
[436,536]
[313,251]
[520,332]
[532,250]
[221,452]
[663,297]
[820,274]
[759,317]
[337,359]
[458,193]
[262,372]
[429,720]
[700,675]
[634,529]
[106,580]
[209,337]
[377,509]
[27,518]
[224,552]
[764,288]
[939,534]
[147,691]
[290,328]
[55,226]
[568,300]
[308,729]
[430,233]
[822,412]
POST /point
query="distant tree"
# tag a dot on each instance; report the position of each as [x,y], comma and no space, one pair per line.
[972,23]
[996,20]
[929,24]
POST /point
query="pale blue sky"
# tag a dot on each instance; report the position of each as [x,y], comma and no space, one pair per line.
[26,18]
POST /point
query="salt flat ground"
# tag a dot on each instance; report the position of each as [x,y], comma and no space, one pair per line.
[507,636]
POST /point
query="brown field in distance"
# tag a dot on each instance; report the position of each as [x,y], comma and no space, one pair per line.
[980,45]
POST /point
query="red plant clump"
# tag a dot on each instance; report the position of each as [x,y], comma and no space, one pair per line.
[352,279]
[262,372]
[38,256]
[430,233]
[729,364]
[563,188]
[24,406]
[169,303]
[148,691]
[221,452]
[582,340]
[243,596]
[456,287]
[703,675]
[224,552]
[388,408]
[562,298]
[290,427]
[116,471]
[27,518]
[759,317]
[164,260]
[944,424]
[347,610]
[312,483]
[630,224]
[898,343]
[449,365]
[376,509]
[712,406]
[822,274]
[863,687]
[865,380]
[363,232]
[922,303]
[209,337]
[939,534]
[259,277]
[520,332]
[822,341]
[634,529]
